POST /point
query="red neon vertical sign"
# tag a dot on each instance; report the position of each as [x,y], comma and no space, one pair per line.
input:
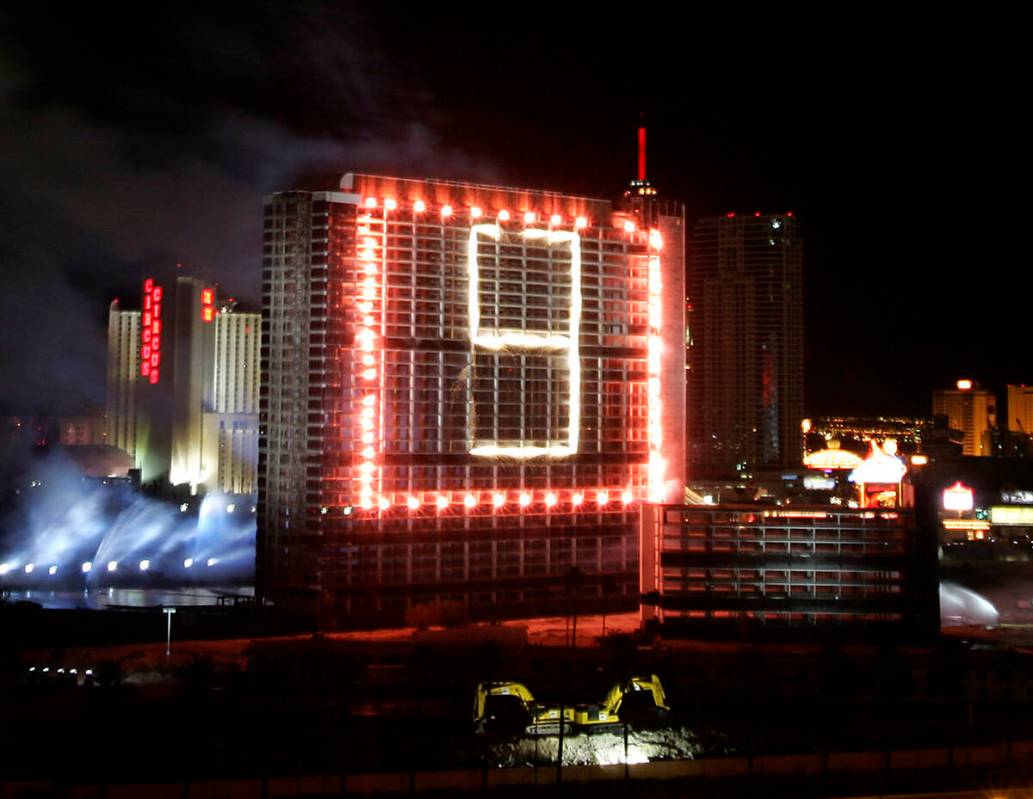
[207,306]
[150,332]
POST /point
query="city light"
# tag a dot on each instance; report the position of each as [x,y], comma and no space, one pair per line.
[530,217]
[503,215]
[498,500]
[188,562]
[470,501]
[413,503]
[87,567]
[112,565]
[29,568]
[4,568]
[577,499]
[476,212]
[442,502]
[602,498]
[145,565]
[525,500]
[555,220]
[550,500]
[52,571]
[212,561]
[446,211]
[964,385]
[419,206]
[390,204]
[580,223]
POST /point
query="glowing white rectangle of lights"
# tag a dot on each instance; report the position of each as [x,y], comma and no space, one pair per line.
[514,340]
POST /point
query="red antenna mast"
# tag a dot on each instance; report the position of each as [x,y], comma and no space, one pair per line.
[642,152]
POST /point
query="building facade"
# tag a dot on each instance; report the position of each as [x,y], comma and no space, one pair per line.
[738,568]
[973,411]
[745,345]
[466,393]
[1020,409]
[231,416]
[123,364]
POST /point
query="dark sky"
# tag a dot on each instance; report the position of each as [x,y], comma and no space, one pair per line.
[133,138]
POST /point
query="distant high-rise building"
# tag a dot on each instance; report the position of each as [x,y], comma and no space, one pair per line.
[192,377]
[231,419]
[1020,409]
[745,344]
[970,409]
[467,391]
[183,376]
[123,378]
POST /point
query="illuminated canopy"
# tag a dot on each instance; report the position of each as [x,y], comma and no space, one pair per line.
[832,459]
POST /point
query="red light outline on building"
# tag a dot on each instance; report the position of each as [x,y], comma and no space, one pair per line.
[370,302]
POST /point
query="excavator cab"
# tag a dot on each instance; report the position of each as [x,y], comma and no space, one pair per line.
[642,701]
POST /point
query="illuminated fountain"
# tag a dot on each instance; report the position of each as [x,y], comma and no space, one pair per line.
[69,532]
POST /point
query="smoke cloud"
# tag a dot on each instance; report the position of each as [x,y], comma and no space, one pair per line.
[160,153]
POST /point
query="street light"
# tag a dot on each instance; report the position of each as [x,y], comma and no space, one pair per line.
[168,630]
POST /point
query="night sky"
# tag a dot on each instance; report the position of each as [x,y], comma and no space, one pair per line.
[137,137]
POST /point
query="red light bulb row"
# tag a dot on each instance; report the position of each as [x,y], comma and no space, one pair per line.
[502,500]
[446,210]
[368,306]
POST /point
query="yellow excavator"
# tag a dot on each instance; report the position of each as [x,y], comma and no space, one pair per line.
[510,708]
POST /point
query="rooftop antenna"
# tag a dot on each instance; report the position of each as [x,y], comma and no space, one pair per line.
[642,148]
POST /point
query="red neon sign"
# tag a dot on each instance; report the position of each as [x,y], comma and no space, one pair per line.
[150,330]
[207,305]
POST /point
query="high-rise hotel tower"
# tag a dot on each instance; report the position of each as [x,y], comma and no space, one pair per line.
[745,355]
[467,391]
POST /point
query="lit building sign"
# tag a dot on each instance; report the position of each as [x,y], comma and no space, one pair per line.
[1011,515]
[1021,497]
[521,341]
[965,524]
[958,497]
[151,331]
[815,483]
[208,305]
